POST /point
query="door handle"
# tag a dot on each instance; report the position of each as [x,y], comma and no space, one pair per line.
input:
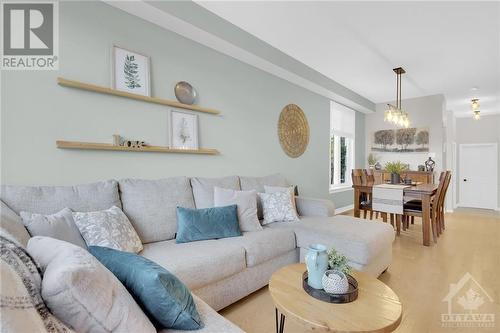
[465,179]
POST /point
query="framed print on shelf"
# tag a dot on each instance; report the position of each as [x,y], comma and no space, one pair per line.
[183,130]
[130,71]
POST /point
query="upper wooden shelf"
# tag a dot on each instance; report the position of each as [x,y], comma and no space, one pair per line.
[104,90]
[154,149]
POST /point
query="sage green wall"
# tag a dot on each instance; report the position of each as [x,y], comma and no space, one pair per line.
[36,111]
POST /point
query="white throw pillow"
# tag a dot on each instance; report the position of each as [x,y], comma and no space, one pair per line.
[109,228]
[59,226]
[246,201]
[291,189]
[81,292]
[277,207]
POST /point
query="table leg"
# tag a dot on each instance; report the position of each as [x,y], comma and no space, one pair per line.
[357,197]
[276,318]
[398,224]
[426,219]
[281,326]
[282,323]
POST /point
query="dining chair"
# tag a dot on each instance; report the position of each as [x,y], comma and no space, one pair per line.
[414,207]
[443,200]
[370,177]
[365,203]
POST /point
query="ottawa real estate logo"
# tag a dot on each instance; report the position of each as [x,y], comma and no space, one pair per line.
[30,36]
[469,305]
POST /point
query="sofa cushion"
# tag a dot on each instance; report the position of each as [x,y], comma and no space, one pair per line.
[198,264]
[162,296]
[59,226]
[264,245]
[13,224]
[213,322]
[246,201]
[151,205]
[51,199]
[359,240]
[203,189]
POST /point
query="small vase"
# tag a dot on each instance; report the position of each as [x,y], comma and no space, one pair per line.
[317,264]
[335,282]
[395,178]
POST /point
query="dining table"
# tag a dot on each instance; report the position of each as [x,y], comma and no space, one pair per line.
[423,192]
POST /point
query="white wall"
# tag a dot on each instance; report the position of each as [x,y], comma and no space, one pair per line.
[485,130]
[424,112]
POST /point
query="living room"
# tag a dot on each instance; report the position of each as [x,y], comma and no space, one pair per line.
[362,134]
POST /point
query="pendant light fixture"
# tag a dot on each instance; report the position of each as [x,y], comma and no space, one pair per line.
[394,113]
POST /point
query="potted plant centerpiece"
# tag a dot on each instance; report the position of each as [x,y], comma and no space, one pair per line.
[395,168]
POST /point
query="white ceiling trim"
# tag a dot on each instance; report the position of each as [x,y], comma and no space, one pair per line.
[187,30]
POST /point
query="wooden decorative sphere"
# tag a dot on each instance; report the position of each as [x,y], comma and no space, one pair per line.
[293,130]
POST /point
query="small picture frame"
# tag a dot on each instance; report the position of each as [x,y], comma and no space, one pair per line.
[130,71]
[183,129]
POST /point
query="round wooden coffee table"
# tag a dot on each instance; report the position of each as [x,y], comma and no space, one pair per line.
[377,308]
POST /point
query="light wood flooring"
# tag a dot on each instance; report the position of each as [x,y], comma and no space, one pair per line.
[421,276]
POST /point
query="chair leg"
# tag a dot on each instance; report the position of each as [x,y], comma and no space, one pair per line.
[384,217]
[412,219]
[404,218]
[434,225]
[371,214]
[364,214]
[392,220]
[398,224]
[376,215]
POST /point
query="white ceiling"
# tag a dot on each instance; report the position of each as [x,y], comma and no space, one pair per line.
[445,47]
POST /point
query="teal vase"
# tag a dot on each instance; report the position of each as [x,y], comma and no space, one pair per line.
[317,264]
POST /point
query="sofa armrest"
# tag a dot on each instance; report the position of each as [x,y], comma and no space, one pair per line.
[314,207]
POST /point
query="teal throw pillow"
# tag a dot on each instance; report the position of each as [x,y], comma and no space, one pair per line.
[163,297]
[207,223]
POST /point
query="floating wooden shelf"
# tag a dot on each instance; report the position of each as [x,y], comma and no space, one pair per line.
[153,149]
[104,90]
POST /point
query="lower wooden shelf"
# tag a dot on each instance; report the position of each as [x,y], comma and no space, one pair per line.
[152,149]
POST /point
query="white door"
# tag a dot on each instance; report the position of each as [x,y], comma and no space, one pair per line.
[478,175]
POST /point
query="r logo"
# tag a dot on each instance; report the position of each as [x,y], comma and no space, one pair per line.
[28,29]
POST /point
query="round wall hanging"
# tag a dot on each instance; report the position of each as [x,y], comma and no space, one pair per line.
[293,130]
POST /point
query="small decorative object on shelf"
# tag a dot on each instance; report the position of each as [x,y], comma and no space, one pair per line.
[335,282]
[117,140]
[134,144]
[421,167]
[185,93]
[429,164]
[317,264]
[378,166]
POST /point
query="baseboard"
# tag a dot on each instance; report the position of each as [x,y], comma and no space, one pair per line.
[343,209]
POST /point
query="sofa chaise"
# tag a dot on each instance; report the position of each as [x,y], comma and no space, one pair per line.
[218,272]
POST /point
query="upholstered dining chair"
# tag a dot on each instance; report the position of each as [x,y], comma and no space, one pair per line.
[414,207]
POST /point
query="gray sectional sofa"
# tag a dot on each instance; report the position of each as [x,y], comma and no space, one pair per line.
[219,272]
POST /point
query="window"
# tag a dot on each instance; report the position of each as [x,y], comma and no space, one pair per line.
[342,131]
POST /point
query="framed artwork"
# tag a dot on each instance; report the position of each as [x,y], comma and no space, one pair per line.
[183,130]
[130,71]
[402,140]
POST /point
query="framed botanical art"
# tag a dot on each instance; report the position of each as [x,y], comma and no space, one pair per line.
[183,130]
[130,71]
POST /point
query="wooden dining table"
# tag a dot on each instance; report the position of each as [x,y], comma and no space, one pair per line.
[424,192]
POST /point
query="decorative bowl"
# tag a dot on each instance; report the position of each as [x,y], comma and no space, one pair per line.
[335,282]
[185,93]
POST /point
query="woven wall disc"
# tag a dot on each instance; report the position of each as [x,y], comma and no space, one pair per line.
[293,130]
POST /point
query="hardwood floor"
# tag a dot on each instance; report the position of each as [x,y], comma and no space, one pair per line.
[421,276]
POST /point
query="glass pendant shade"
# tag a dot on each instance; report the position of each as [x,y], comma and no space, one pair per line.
[395,114]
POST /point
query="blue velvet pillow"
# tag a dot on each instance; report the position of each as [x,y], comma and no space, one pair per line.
[162,296]
[207,223]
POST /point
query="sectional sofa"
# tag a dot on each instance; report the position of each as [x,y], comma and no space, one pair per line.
[218,272]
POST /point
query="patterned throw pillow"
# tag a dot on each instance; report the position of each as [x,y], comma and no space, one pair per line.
[23,309]
[278,207]
[109,228]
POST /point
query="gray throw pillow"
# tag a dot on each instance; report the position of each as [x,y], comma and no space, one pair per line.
[59,226]
[13,224]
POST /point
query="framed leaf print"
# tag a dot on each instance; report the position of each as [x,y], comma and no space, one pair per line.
[183,130]
[131,71]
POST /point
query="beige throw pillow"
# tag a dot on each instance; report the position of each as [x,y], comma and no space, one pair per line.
[246,202]
[82,293]
[109,228]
